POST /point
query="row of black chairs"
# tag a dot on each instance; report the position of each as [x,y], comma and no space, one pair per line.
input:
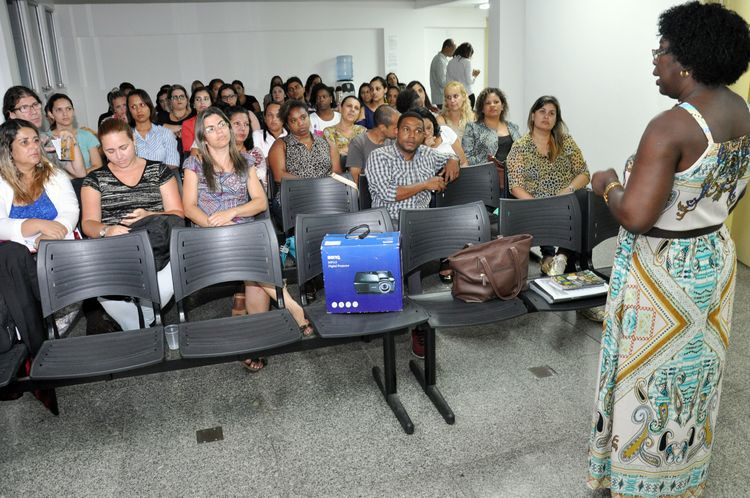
[70,271]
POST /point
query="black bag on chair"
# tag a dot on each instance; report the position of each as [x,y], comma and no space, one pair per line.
[7,327]
[159,228]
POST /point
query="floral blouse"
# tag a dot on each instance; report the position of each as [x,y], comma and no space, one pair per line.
[342,141]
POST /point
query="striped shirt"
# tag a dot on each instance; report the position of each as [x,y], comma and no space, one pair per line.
[159,145]
[118,199]
[387,170]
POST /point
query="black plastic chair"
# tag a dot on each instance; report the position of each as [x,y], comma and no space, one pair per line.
[206,256]
[310,230]
[475,183]
[428,235]
[365,199]
[70,271]
[599,225]
[552,221]
[315,196]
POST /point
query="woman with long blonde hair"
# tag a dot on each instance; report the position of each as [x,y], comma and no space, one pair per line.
[456,108]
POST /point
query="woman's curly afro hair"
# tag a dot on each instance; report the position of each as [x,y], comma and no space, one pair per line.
[711,41]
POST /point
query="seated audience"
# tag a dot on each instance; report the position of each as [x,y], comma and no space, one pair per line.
[402,175]
[364,94]
[424,99]
[457,110]
[275,81]
[163,105]
[21,102]
[179,110]
[249,102]
[125,190]
[199,100]
[490,137]
[546,162]
[239,119]
[441,138]
[61,116]
[228,97]
[37,202]
[312,81]
[407,100]
[300,154]
[360,147]
[273,128]
[377,98]
[152,141]
[324,115]
[196,84]
[391,95]
[213,87]
[119,107]
[392,80]
[342,133]
[222,188]
[294,89]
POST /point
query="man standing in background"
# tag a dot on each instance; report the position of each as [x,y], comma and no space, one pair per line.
[437,72]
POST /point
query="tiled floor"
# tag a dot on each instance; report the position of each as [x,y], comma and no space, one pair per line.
[315,424]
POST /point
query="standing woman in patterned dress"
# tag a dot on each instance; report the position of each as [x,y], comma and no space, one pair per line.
[669,308]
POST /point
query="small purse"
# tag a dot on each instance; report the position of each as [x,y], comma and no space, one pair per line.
[498,268]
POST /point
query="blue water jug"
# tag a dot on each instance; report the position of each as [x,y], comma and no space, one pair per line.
[344,69]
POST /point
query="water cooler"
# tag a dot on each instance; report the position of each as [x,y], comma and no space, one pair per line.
[344,77]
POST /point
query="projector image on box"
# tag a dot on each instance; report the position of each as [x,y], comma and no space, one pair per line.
[374,282]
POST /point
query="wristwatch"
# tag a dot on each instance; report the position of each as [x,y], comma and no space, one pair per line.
[103,231]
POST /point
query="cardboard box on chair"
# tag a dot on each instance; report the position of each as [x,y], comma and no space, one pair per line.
[362,275]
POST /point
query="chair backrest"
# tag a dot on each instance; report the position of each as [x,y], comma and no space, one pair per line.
[315,196]
[552,221]
[206,256]
[311,228]
[431,234]
[600,224]
[475,183]
[365,199]
[270,182]
[70,271]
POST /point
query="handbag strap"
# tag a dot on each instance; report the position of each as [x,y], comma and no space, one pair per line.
[517,275]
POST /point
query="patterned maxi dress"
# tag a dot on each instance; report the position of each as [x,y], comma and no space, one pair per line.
[666,333]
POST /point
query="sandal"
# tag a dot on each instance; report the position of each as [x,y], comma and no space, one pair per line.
[306,329]
[446,278]
[254,364]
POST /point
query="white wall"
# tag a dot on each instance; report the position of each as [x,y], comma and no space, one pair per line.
[152,44]
[595,57]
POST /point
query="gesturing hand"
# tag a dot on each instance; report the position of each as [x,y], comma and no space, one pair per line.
[601,179]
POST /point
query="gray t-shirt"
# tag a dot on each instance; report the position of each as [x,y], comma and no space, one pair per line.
[359,150]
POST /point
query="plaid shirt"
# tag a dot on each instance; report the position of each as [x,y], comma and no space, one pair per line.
[387,170]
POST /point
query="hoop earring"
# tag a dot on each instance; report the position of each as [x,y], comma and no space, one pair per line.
[684,73]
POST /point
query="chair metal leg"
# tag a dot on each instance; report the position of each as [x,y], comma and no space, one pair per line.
[427,377]
[387,383]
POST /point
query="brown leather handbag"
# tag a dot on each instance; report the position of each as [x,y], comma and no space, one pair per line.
[498,268]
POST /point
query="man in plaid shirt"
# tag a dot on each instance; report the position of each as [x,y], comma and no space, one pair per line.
[402,175]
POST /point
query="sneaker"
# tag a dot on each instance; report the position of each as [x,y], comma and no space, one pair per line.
[557,267]
[546,264]
[417,343]
[595,314]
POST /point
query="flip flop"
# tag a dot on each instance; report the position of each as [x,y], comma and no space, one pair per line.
[253,365]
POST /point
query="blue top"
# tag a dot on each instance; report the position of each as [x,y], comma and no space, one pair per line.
[369,121]
[41,209]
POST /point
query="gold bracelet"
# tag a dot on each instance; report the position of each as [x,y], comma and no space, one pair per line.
[609,187]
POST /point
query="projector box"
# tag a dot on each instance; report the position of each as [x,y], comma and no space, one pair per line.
[362,275]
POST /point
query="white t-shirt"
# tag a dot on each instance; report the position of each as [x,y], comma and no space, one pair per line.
[265,144]
[317,125]
[449,137]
